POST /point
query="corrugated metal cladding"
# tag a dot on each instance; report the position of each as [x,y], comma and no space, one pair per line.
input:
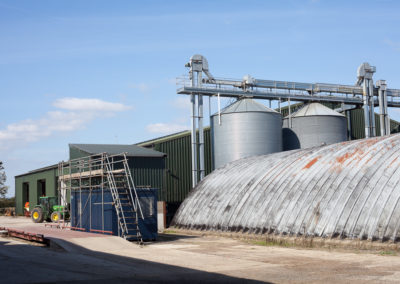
[27,187]
[115,149]
[358,130]
[88,212]
[313,125]
[178,177]
[349,189]
[356,117]
[147,171]
[245,128]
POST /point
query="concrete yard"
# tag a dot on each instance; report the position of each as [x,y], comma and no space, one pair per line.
[83,257]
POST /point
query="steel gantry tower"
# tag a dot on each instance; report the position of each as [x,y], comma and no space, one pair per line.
[363,94]
[197,64]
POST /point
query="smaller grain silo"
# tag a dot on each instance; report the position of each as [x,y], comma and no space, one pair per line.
[245,128]
[313,125]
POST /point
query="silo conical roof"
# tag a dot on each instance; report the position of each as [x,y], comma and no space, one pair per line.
[245,105]
[315,109]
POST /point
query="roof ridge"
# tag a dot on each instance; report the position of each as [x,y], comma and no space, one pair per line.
[315,109]
[131,149]
[245,105]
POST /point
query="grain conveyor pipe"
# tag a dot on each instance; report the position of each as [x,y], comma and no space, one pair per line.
[198,64]
[193,137]
[383,113]
[364,79]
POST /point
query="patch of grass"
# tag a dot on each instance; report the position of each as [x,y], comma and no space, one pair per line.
[259,243]
[388,252]
[171,232]
[272,243]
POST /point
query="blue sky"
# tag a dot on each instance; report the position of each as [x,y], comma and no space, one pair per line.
[104,71]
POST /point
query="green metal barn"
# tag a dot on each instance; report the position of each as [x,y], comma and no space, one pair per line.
[31,185]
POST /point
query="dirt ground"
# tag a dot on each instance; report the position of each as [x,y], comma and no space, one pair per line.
[82,257]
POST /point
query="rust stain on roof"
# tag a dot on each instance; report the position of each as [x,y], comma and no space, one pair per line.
[343,158]
[394,160]
[370,142]
[346,156]
[312,162]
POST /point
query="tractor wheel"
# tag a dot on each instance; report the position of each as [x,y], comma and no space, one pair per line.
[55,216]
[37,215]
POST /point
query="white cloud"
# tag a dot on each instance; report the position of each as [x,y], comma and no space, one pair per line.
[77,104]
[166,128]
[181,103]
[80,113]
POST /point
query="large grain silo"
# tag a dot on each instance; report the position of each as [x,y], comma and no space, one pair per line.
[245,128]
[313,125]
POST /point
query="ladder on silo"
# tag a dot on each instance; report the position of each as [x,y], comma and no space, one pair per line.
[126,200]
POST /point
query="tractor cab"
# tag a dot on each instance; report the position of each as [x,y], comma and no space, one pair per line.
[47,209]
[47,202]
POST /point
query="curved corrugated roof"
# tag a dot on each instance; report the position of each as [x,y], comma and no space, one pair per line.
[315,109]
[349,189]
[245,105]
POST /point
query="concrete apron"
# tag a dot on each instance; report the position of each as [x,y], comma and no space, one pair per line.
[167,253]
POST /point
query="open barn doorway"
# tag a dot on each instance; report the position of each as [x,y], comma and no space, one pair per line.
[25,192]
[41,186]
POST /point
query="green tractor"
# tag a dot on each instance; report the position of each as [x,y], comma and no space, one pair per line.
[48,210]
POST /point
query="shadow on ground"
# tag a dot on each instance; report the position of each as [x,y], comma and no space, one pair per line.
[24,263]
[170,237]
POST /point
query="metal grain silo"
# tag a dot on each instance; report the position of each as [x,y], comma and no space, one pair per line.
[245,128]
[313,125]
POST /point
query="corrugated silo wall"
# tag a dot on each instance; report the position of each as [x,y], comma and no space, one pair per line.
[260,133]
[347,190]
[356,119]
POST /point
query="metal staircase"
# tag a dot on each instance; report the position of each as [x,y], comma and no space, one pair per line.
[125,198]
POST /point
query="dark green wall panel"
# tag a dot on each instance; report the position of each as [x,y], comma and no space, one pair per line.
[50,176]
[178,164]
[146,171]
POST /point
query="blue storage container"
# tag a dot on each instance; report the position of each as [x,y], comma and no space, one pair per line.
[93,211]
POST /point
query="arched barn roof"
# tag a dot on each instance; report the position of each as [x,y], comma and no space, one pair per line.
[349,189]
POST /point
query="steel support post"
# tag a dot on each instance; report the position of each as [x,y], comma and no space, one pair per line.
[386,117]
[371,107]
[290,113]
[349,130]
[381,113]
[102,191]
[211,134]
[366,109]
[193,137]
[201,129]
